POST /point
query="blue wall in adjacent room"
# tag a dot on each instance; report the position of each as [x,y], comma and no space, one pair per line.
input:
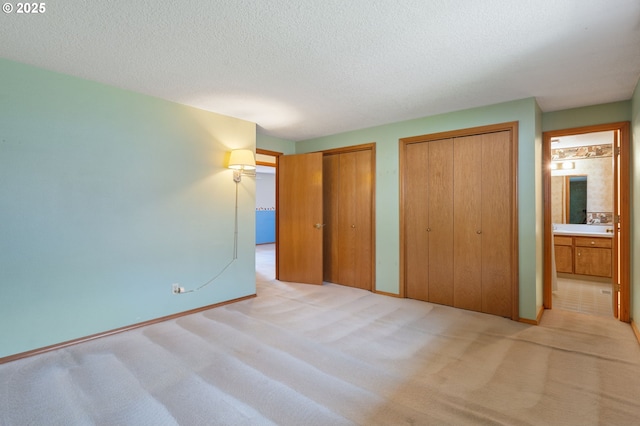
[265,226]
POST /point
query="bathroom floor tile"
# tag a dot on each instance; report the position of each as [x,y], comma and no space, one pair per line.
[587,297]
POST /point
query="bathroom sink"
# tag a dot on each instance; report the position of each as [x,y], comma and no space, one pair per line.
[583,230]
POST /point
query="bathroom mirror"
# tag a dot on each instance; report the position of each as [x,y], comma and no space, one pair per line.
[569,197]
[576,197]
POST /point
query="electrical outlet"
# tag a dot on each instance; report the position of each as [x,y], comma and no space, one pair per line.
[175,288]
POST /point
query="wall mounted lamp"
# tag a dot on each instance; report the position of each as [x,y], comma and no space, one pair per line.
[565,165]
[243,162]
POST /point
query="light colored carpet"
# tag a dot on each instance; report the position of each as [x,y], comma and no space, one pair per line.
[332,355]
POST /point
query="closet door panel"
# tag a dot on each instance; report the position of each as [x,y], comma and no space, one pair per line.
[440,221]
[496,223]
[331,177]
[467,228]
[362,225]
[347,246]
[348,212]
[416,220]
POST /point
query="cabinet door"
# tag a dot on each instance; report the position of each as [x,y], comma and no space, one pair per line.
[467,240]
[496,223]
[564,259]
[593,256]
[593,261]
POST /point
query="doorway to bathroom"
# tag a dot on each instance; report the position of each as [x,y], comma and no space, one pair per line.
[586,216]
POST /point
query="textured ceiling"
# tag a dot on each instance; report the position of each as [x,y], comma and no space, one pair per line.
[308,68]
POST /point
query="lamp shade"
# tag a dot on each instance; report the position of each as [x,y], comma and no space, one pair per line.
[242,159]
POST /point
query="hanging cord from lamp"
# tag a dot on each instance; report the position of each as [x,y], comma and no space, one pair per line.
[235,249]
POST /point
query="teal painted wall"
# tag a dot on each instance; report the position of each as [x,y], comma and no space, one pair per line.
[107,197]
[272,143]
[586,116]
[386,137]
[635,205]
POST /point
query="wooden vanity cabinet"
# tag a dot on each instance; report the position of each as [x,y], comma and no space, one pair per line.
[583,255]
[592,256]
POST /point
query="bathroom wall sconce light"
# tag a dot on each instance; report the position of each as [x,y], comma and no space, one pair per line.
[243,162]
[565,165]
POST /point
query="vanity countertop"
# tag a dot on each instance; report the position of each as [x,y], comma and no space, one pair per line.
[583,233]
[583,230]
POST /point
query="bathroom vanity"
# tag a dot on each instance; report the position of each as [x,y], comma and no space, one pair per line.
[584,251]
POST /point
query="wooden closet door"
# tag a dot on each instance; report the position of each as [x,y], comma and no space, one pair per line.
[348,207]
[429,221]
[347,218]
[416,220]
[467,228]
[364,220]
[459,187]
[496,223]
[440,221]
[331,197]
[354,217]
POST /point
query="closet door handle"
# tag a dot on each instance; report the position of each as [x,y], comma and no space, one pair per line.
[318,225]
[478,232]
[353,226]
[428,229]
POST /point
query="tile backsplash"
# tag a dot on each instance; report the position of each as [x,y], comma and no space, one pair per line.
[595,218]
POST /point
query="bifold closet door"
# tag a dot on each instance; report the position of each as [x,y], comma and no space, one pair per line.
[429,221]
[482,223]
[348,185]
[459,245]
[331,197]
[416,221]
[467,223]
[497,230]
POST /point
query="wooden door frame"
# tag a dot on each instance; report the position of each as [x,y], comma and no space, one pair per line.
[509,126]
[275,154]
[625,211]
[367,146]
